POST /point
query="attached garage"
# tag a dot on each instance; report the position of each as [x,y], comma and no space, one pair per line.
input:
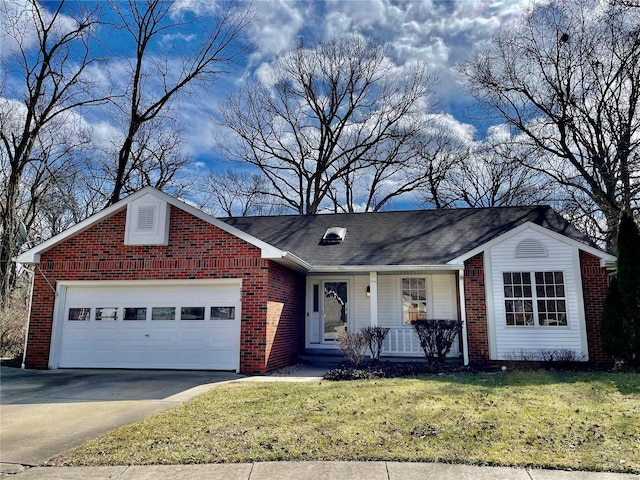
[189,324]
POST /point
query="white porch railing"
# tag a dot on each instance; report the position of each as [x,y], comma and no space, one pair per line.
[403,341]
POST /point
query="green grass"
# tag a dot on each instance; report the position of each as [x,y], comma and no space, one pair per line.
[587,421]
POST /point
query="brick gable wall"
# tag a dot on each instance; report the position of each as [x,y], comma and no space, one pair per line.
[196,250]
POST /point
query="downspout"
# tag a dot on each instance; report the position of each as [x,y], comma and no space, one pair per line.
[26,333]
[463,317]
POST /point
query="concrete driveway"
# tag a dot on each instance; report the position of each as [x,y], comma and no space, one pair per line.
[45,413]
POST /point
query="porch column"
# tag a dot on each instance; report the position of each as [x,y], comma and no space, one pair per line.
[373,298]
[463,317]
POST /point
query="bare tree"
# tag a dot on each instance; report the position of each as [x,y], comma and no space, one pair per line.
[493,176]
[238,193]
[50,58]
[331,113]
[156,79]
[568,78]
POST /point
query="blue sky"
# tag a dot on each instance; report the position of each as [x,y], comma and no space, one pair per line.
[439,33]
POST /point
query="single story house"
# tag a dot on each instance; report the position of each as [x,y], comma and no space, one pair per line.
[152,282]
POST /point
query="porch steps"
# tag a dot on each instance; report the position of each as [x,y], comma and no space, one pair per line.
[329,358]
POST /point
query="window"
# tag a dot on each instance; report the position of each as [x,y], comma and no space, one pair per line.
[518,298]
[223,313]
[163,313]
[552,306]
[414,299]
[534,298]
[192,313]
[106,314]
[135,313]
[79,314]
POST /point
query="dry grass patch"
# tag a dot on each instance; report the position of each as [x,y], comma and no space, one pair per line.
[587,421]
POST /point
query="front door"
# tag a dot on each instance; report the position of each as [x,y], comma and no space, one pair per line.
[335,310]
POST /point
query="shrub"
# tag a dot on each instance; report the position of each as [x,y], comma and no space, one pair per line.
[621,318]
[437,337]
[352,344]
[13,321]
[374,337]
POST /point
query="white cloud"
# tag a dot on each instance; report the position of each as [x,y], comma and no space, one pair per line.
[276,26]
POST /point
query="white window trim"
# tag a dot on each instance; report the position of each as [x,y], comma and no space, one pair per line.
[534,300]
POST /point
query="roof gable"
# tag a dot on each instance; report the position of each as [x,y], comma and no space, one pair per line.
[33,255]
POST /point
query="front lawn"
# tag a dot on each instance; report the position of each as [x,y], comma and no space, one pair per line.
[586,421]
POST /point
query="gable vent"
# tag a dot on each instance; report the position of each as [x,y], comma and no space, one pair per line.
[146,218]
[333,236]
[530,247]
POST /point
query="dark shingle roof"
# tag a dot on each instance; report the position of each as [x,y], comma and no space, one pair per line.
[416,237]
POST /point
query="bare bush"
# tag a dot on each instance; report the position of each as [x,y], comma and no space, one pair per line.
[374,337]
[13,321]
[352,344]
[437,337]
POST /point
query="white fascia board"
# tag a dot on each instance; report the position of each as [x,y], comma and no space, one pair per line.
[382,268]
[33,255]
[605,257]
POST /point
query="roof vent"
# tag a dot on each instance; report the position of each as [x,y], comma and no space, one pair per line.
[333,236]
[530,247]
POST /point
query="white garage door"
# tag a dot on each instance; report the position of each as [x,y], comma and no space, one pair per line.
[160,325]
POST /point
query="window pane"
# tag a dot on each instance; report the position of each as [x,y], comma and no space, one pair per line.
[135,313]
[548,277]
[506,278]
[517,277]
[79,314]
[414,296]
[106,313]
[192,313]
[223,313]
[559,278]
[163,313]
[508,291]
[526,277]
[539,278]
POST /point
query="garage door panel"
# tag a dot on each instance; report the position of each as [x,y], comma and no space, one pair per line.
[145,343]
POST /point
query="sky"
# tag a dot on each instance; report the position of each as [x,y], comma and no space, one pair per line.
[438,33]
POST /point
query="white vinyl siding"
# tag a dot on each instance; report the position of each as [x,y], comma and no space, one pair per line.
[444,303]
[362,303]
[507,341]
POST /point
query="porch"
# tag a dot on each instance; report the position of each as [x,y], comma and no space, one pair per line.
[342,302]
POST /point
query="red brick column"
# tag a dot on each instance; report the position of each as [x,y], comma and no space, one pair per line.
[476,309]
[594,290]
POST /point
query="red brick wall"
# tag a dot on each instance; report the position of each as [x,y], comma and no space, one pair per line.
[476,309]
[196,250]
[594,289]
[285,317]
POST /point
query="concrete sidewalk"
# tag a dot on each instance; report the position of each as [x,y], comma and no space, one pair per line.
[310,471]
